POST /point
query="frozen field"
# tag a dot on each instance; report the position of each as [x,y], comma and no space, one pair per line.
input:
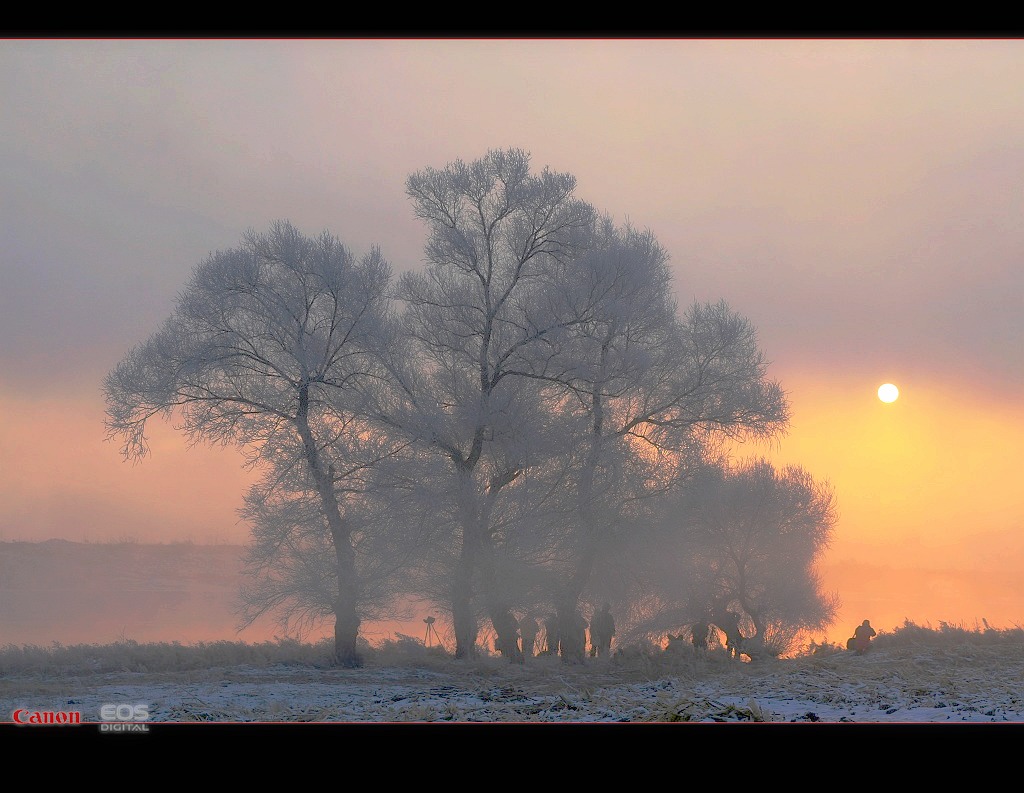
[928,684]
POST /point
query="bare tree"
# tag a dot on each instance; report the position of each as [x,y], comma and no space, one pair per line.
[267,348]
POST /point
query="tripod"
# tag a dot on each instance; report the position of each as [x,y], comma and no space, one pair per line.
[431,631]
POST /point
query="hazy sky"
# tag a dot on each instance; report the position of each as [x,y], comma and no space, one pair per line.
[859,200]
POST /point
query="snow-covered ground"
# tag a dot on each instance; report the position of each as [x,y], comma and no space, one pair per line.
[965,684]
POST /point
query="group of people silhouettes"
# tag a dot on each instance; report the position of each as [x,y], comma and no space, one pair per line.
[602,631]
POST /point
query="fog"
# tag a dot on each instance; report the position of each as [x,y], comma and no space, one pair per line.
[857,200]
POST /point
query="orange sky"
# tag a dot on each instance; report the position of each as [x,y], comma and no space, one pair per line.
[858,200]
[928,479]
[927,483]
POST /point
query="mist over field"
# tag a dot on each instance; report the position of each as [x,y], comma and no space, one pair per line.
[582,379]
[100,593]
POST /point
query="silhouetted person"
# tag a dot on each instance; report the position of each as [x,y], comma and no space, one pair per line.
[579,628]
[551,634]
[862,637]
[528,631]
[506,641]
[602,629]
[730,623]
[699,636]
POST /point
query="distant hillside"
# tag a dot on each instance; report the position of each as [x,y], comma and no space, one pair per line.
[98,593]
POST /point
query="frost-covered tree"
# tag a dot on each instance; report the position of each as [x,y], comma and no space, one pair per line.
[514,515]
[292,563]
[268,348]
[549,344]
[496,233]
[644,391]
[745,538]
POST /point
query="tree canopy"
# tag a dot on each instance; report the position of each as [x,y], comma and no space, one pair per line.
[500,431]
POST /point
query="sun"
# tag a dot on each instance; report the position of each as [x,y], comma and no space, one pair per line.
[888,392]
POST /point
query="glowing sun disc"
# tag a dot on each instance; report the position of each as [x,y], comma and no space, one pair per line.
[888,392]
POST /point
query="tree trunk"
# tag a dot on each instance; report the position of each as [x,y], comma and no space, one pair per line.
[574,649]
[463,618]
[346,613]
[506,626]
[463,615]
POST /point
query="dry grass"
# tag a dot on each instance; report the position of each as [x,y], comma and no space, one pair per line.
[407,651]
[949,673]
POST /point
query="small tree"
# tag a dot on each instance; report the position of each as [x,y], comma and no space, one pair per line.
[746,538]
[267,348]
